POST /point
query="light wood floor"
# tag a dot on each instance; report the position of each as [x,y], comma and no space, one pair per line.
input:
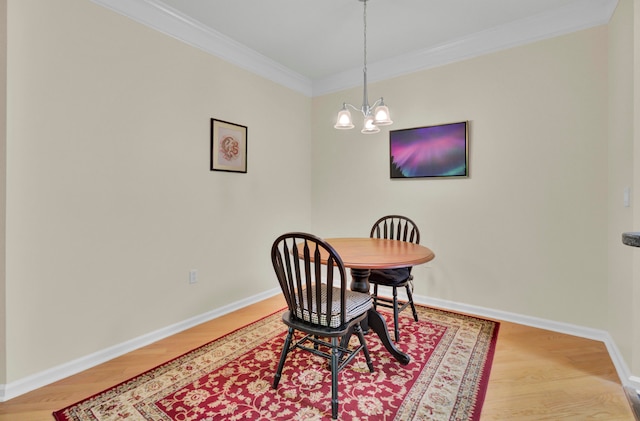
[536,374]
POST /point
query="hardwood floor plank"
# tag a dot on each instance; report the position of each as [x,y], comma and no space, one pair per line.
[536,374]
[543,375]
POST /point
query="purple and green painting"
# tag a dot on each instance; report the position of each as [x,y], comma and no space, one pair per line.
[433,151]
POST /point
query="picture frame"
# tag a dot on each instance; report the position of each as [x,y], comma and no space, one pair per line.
[440,151]
[228,146]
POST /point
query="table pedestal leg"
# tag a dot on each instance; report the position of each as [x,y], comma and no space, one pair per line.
[375,321]
[360,280]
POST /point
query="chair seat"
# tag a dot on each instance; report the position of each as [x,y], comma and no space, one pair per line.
[390,277]
[356,304]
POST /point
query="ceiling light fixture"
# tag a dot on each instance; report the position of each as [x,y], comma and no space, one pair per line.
[380,115]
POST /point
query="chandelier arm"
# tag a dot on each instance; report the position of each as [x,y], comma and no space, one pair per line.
[353,107]
[375,104]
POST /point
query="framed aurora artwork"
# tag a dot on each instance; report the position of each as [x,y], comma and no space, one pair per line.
[430,152]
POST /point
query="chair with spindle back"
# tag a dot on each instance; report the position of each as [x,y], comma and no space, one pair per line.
[394,227]
[320,305]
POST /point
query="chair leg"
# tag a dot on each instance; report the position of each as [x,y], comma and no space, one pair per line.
[375,296]
[334,377]
[358,330]
[283,357]
[396,330]
[413,307]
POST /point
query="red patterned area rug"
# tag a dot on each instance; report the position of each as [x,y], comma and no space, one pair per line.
[230,378]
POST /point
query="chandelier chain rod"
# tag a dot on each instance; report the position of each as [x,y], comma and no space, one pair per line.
[365,35]
[365,96]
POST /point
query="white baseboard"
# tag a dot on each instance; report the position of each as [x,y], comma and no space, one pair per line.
[27,384]
[35,381]
[626,378]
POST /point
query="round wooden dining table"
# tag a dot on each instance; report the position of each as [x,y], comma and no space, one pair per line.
[363,254]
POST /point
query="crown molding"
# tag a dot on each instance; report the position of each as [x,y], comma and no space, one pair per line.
[169,21]
[571,18]
[578,15]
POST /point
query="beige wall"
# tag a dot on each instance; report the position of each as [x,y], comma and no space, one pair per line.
[620,163]
[634,329]
[527,232]
[110,201]
[3,180]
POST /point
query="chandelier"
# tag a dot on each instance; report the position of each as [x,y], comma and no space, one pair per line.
[374,115]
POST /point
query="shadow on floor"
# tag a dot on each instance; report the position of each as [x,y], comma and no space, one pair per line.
[634,400]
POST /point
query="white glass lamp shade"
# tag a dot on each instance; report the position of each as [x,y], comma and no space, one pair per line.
[369,126]
[382,117]
[344,119]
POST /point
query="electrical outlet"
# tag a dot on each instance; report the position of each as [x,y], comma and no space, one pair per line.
[193,276]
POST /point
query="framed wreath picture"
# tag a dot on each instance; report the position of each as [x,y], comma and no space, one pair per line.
[228,146]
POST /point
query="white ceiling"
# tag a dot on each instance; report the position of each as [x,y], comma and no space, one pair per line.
[317,46]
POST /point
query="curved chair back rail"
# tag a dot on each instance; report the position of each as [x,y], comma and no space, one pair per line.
[396,227]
